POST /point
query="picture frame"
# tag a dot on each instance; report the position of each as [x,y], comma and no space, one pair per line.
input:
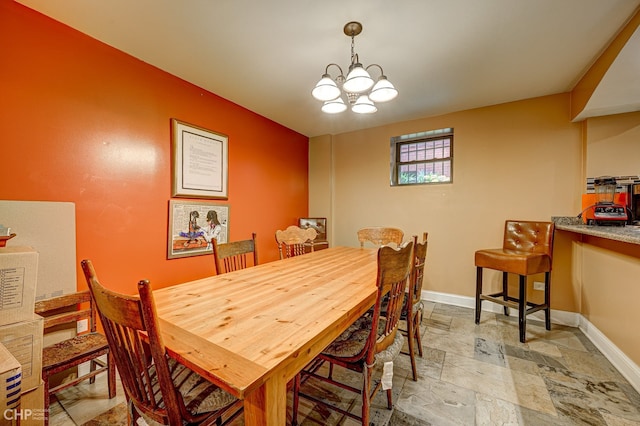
[192,224]
[200,166]
[317,223]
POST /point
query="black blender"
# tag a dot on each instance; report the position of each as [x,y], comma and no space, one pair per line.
[606,211]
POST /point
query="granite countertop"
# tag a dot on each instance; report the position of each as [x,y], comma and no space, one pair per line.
[626,234]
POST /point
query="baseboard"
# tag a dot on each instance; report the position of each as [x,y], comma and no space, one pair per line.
[570,319]
[620,361]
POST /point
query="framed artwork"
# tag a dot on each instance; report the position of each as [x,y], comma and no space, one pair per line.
[317,223]
[200,162]
[192,225]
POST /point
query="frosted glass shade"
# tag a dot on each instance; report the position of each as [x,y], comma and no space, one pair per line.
[358,80]
[334,106]
[364,105]
[383,90]
[326,89]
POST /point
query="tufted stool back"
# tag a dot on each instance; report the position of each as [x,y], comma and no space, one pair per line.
[534,237]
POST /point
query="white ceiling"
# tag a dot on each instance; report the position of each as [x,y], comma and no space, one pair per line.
[442,55]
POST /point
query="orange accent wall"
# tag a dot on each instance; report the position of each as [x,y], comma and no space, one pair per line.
[83,122]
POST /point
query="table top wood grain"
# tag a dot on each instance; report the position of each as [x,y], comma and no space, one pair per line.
[246,328]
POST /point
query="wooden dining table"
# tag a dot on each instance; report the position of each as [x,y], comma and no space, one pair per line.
[251,331]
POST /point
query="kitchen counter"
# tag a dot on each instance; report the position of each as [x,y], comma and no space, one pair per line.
[627,234]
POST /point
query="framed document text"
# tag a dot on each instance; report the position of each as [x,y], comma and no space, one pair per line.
[200,162]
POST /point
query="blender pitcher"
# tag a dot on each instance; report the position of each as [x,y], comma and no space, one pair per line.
[605,189]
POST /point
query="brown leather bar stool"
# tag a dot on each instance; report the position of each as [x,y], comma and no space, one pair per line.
[527,249]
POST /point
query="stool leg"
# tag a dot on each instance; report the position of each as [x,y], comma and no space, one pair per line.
[478,293]
[522,308]
[547,300]
[505,291]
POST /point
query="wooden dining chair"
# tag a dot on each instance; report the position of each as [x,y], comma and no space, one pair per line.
[380,236]
[413,306]
[158,387]
[373,339]
[232,256]
[63,313]
[295,241]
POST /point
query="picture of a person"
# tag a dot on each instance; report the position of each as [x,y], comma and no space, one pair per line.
[195,231]
[213,228]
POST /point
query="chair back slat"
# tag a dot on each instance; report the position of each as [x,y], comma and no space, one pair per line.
[66,309]
[236,262]
[294,241]
[417,274]
[235,255]
[68,317]
[394,271]
[380,235]
[67,300]
[291,250]
[136,360]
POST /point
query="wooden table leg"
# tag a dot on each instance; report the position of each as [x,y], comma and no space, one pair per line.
[267,405]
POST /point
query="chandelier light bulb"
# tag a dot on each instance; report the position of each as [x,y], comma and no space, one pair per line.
[326,89]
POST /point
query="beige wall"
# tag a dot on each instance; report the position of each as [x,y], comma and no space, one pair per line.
[522,160]
[320,187]
[518,160]
[613,145]
[611,292]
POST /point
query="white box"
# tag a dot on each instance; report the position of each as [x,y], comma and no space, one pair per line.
[18,277]
[24,341]
[10,379]
[55,241]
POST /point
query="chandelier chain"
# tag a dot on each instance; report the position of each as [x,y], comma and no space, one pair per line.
[352,47]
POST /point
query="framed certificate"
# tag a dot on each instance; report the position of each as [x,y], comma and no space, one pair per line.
[200,162]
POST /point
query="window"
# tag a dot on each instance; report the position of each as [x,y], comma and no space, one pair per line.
[422,158]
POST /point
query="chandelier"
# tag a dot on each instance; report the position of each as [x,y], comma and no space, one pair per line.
[358,87]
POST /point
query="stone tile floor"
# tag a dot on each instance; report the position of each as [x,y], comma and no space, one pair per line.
[469,375]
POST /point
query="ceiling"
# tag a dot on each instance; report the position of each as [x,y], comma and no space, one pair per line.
[442,55]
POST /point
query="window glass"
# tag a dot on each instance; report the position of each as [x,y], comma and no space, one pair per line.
[422,158]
